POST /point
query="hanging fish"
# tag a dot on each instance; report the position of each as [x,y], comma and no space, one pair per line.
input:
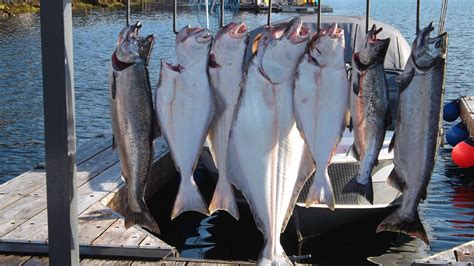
[225,72]
[369,110]
[131,108]
[185,107]
[264,139]
[321,103]
[417,135]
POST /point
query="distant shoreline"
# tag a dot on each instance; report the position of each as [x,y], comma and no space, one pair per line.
[9,8]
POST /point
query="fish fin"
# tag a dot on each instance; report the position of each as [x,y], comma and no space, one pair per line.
[188,199]
[354,152]
[351,125]
[321,191]
[156,130]
[364,190]
[392,143]
[273,259]
[224,199]
[388,118]
[395,223]
[395,181]
[255,42]
[376,163]
[425,194]
[143,219]
[113,86]
[307,168]
[355,85]
[405,78]
[114,142]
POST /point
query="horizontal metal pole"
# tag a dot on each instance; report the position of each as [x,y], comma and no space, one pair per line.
[41,248]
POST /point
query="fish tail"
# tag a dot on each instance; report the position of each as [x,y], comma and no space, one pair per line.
[365,190]
[143,219]
[321,191]
[395,223]
[188,199]
[269,258]
[224,199]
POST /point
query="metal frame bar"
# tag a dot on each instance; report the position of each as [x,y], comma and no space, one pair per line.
[367,15]
[39,248]
[60,136]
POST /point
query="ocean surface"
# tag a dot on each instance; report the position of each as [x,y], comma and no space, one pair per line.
[448,212]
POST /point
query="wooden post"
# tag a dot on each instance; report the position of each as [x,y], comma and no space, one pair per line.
[60,138]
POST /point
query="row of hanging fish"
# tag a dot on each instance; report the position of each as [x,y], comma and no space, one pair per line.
[272,122]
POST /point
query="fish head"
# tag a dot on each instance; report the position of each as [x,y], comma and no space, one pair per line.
[230,42]
[132,48]
[192,45]
[427,51]
[327,46]
[280,49]
[374,49]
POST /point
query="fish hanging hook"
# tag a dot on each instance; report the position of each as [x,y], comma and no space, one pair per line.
[128,13]
[269,18]
[418,4]
[367,16]
[175,11]
[221,21]
[318,25]
[442,16]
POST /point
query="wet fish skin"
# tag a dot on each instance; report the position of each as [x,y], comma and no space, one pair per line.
[264,139]
[369,110]
[415,147]
[131,108]
[321,103]
[185,107]
[225,72]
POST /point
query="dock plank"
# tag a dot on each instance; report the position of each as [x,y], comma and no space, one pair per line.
[87,262]
[461,253]
[8,224]
[91,148]
[152,241]
[37,261]
[26,207]
[467,113]
[118,235]
[94,221]
[36,229]
[12,259]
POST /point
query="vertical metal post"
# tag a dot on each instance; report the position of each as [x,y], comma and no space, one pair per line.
[367,16]
[221,22]
[175,11]
[60,137]
[207,13]
[128,13]
[319,16]
[269,18]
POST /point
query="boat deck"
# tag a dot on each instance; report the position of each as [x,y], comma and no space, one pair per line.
[467,113]
[23,209]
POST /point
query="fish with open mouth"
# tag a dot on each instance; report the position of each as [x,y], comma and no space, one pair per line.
[417,131]
[321,103]
[133,123]
[185,106]
[225,72]
[264,140]
[369,110]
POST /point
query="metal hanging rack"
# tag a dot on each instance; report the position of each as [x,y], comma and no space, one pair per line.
[367,15]
[128,13]
[318,25]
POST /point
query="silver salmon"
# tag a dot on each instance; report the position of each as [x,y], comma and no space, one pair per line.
[321,103]
[131,108]
[264,139]
[417,135]
[369,110]
[185,107]
[225,72]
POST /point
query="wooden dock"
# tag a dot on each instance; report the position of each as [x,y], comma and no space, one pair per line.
[460,255]
[467,113]
[23,209]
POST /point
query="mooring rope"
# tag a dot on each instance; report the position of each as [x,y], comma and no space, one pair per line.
[442,15]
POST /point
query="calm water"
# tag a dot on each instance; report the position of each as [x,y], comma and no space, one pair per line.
[448,213]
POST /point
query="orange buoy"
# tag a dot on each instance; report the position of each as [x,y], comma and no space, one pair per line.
[463,153]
